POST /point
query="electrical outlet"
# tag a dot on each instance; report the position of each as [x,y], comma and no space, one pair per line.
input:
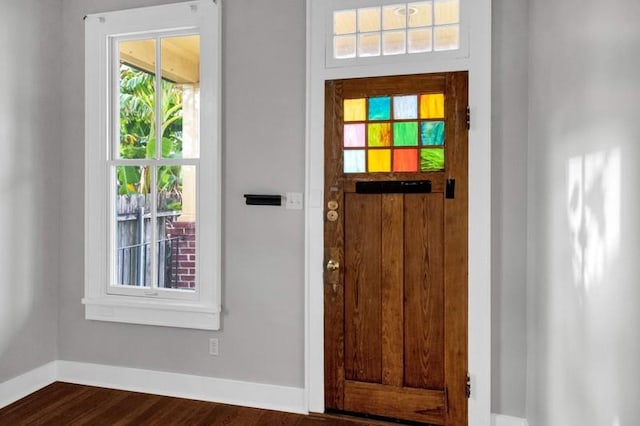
[294,200]
[214,347]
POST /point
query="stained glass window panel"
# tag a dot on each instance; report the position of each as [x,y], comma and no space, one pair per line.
[405,160]
[405,107]
[379,160]
[432,106]
[355,109]
[354,161]
[432,160]
[353,135]
[380,108]
[379,134]
[432,132]
[405,133]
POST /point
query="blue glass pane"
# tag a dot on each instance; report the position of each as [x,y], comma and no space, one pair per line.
[380,108]
[432,132]
[405,107]
[354,161]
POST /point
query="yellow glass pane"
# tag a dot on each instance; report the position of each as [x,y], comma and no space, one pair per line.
[432,106]
[379,160]
[355,109]
[447,12]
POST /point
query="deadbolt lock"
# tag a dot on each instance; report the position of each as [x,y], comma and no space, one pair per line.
[332,215]
[332,205]
[333,265]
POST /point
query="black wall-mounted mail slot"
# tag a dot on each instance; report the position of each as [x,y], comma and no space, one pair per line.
[263,200]
[394,187]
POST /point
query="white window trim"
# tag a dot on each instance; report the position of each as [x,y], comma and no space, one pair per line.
[203,310]
[476,14]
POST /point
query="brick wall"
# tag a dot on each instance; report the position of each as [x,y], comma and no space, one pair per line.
[184,271]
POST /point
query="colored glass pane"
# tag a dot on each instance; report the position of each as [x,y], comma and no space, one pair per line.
[379,160]
[432,106]
[380,108]
[432,133]
[354,161]
[405,134]
[353,135]
[379,134]
[405,107]
[405,160]
[355,109]
[431,160]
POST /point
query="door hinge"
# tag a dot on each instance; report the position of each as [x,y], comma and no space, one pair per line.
[468,388]
[468,118]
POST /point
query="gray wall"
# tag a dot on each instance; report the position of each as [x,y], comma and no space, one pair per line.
[509,206]
[584,158]
[263,266]
[30,43]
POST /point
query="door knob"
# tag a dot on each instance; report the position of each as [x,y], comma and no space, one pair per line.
[333,265]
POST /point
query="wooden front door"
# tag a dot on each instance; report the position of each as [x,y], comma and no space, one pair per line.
[396,247]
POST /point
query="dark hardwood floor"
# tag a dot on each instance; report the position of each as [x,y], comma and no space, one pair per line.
[69,404]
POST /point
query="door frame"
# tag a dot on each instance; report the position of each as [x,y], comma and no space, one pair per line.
[477,16]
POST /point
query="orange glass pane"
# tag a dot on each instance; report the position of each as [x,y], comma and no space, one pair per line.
[379,160]
[355,109]
[432,106]
[405,160]
[379,134]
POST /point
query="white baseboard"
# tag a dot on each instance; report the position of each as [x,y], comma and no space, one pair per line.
[246,394]
[502,420]
[27,383]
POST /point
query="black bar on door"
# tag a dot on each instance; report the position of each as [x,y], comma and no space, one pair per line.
[394,187]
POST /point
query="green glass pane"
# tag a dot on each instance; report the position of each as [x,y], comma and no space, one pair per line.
[432,159]
[380,108]
[405,134]
[432,132]
[379,134]
[354,161]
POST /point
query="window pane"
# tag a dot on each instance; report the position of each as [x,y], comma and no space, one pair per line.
[355,109]
[420,40]
[369,19]
[446,12]
[395,17]
[394,43]
[354,135]
[132,227]
[405,107]
[405,134]
[379,160]
[447,38]
[432,160]
[344,47]
[354,161]
[176,230]
[379,134]
[405,160]
[380,108]
[420,14]
[432,106]
[369,45]
[180,96]
[432,133]
[137,99]
[344,22]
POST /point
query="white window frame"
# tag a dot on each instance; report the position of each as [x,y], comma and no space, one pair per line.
[405,58]
[199,309]
[475,16]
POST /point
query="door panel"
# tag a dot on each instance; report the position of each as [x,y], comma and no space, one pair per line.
[396,276]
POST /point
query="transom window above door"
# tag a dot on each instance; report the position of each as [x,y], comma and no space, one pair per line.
[399,133]
[396,29]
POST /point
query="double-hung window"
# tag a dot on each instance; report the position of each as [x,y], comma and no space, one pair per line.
[152,164]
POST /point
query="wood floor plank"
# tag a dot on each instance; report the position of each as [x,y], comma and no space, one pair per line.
[77,405]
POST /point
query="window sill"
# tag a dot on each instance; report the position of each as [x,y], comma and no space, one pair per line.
[152,312]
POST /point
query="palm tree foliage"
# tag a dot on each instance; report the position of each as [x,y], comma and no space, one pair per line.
[138,132]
